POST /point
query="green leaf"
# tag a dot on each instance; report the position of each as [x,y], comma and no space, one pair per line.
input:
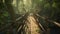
[54,5]
[5,14]
[47,5]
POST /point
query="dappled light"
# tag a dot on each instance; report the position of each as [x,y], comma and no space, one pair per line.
[29,16]
[32,25]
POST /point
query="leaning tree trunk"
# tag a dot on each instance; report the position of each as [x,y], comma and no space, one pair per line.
[12,14]
[32,25]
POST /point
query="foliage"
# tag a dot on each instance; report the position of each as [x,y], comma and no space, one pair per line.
[46,8]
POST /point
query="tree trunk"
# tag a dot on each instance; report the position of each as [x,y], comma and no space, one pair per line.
[12,14]
[32,26]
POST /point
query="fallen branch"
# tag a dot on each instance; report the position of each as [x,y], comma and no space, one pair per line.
[56,23]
